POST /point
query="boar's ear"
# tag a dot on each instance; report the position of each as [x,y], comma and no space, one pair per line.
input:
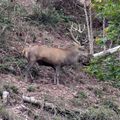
[25,52]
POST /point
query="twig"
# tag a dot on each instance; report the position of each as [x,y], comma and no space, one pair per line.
[3,30]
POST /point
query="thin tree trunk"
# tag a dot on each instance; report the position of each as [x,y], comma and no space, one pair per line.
[91,30]
[104,32]
[88,28]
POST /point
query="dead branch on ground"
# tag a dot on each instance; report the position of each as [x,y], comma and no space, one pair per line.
[50,107]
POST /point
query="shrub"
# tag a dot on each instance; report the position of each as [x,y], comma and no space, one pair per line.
[11,88]
[110,104]
[81,95]
[11,64]
[31,88]
[110,11]
[4,113]
[9,13]
[98,93]
[100,113]
[48,16]
[79,99]
[107,68]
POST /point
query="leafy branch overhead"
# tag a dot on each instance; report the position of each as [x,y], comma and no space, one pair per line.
[110,10]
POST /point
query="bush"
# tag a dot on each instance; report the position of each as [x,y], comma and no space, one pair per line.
[12,64]
[80,99]
[4,113]
[9,10]
[11,88]
[9,14]
[107,68]
[100,113]
[110,11]
[111,105]
[31,88]
[98,93]
[48,16]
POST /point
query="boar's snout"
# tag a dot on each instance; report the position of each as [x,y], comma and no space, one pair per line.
[85,60]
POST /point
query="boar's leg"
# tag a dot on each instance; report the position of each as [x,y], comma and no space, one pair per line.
[56,75]
[30,64]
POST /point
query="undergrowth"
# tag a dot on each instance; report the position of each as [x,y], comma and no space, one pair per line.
[4,113]
[100,113]
[11,64]
[106,69]
[80,99]
[48,16]
[111,105]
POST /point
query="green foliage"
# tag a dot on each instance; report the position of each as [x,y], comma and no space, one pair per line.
[57,118]
[8,114]
[4,113]
[116,84]
[113,31]
[100,113]
[107,8]
[20,10]
[110,104]
[14,89]
[8,10]
[15,65]
[4,14]
[11,88]
[11,64]
[98,93]
[110,10]
[107,68]
[9,14]
[79,99]
[47,16]
[101,41]
[31,88]
[81,95]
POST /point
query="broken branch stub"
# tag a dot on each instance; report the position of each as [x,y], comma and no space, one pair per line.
[5,97]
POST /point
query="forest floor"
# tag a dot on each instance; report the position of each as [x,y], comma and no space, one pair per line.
[78,92]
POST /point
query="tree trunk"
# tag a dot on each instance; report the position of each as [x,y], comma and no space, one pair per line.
[89,28]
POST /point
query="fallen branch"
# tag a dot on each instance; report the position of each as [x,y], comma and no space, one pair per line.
[41,103]
[5,97]
[53,108]
[32,100]
[109,51]
[3,30]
